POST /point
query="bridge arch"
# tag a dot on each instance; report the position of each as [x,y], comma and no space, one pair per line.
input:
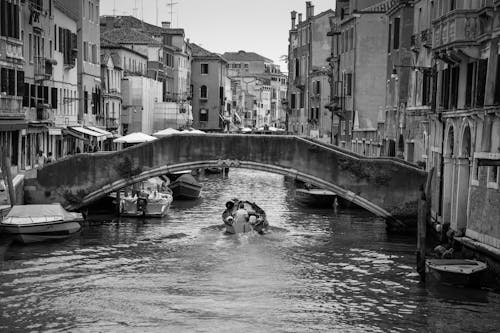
[387,187]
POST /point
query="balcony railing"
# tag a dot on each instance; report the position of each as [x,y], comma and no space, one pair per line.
[44,113]
[460,28]
[426,38]
[10,106]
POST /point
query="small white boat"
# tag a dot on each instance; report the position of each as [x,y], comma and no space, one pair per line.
[455,271]
[35,223]
[148,204]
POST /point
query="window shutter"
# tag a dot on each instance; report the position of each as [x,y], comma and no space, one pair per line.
[12,82]
[53,98]
[26,97]
[15,15]
[46,95]
[60,39]
[3,80]
[20,83]
[33,95]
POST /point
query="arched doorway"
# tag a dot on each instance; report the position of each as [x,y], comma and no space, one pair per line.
[448,171]
[463,180]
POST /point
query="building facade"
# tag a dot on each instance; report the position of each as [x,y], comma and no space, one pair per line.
[209,80]
[308,74]
[12,60]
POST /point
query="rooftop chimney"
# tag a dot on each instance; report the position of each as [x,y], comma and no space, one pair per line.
[300,18]
[308,9]
[294,17]
[165,25]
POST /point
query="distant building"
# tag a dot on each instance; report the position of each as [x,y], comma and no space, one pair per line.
[111,79]
[209,82]
[308,75]
[255,75]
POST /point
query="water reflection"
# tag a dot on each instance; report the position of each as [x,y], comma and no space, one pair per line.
[316,271]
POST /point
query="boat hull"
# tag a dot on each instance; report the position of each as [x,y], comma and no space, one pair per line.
[42,232]
[185,190]
[158,208]
[455,271]
[325,199]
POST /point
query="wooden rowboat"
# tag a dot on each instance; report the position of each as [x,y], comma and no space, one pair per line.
[455,271]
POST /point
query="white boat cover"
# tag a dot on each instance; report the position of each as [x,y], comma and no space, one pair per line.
[31,214]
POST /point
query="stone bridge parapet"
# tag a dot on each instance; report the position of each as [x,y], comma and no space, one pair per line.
[385,186]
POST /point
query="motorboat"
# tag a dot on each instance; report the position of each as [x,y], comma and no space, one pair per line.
[186,187]
[464,272]
[146,203]
[315,197]
[153,200]
[35,223]
[254,218]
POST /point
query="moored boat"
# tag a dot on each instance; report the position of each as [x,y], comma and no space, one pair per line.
[147,204]
[455,271]
[315,197]
[186,187]
[35,223]
[243,216]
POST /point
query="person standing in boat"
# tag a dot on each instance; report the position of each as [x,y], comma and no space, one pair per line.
[241,219]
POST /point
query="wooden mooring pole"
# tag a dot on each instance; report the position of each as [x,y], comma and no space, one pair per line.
[8,175]
[424,207]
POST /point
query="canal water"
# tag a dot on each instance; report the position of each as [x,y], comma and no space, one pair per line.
[317,271]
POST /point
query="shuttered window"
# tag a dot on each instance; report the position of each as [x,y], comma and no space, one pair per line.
[20,83]
[53,98]
[26,96]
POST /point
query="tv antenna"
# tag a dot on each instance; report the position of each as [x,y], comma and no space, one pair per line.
[171,6]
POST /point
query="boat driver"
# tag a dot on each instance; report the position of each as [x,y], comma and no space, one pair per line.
[241,215]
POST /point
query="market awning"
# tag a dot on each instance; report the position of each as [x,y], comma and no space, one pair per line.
[100,130]
[89,133]
[12,125]
[73,134]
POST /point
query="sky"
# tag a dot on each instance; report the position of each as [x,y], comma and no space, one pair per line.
[220,26]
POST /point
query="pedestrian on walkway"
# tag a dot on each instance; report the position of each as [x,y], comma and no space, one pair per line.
[41,159]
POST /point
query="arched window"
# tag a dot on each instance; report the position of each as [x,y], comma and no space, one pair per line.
[204,92]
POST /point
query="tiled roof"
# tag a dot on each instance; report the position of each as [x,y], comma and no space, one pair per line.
[128,36]
[198,51]
[112,22]
[244,56]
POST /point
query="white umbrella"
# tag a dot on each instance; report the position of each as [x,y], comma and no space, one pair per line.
[273,129]
[192,131]
[137,137]
[165,132]
[246,129]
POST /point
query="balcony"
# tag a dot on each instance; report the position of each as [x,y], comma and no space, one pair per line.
[10,106]
[43,68]
[426,38]
[44,113]
[459,28]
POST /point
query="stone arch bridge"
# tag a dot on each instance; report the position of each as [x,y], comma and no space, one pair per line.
[385,186]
